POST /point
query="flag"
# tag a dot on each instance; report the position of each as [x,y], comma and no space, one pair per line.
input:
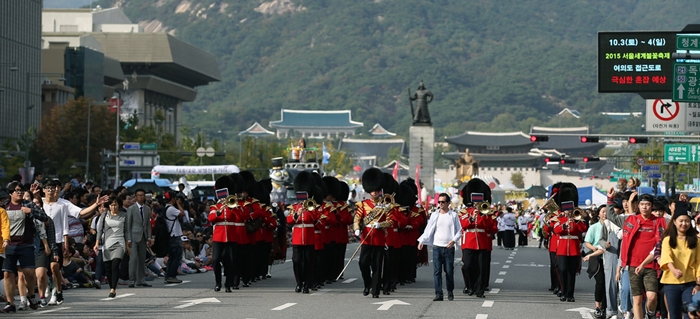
[221,193]
[395,172]
[326,155]
[418,185]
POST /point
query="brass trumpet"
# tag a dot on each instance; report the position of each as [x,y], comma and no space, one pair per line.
[388,199]
[578,214]
[550,216]
[485,208]
[310,204]
[231,201]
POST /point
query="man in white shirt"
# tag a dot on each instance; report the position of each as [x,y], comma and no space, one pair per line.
[442,232]
[509,229]
[59,209]
[173,212]
[523,226]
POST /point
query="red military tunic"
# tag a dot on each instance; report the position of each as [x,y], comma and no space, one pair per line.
[330,219]
[269,225]
[224,229]
[569,238]
[398,220]
[303,223]
[361,221]
[415,219]
[343,219]
[476,234]
[253,209]
[553,237]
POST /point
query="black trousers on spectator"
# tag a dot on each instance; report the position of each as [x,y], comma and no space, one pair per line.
[371,259]
[302,258]
[113,272]
[499,236]
[522,237]
[222,254]
[568,266]
[599,294]
[509,238]
[555,282]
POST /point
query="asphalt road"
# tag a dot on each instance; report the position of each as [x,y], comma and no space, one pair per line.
[519,282]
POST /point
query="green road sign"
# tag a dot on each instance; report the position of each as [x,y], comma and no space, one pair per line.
[149,147]
[686,87]
[682,153]
[687,42]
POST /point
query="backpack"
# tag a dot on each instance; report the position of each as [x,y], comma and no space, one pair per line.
[161,234]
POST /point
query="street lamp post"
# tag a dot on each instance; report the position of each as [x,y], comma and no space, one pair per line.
[117,159]
[87,155]
[28,107]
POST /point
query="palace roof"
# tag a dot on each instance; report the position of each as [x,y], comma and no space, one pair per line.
[256,130]
[470,138]
[379,131]
[315,119]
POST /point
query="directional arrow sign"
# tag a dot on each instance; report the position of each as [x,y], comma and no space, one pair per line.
[585,312]
[385,305]
[196,302]
[685,82]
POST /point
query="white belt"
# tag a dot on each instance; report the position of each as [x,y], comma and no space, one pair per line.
[568,237]
[475,230]
[303,225]
[396,230]
[328,227]
[228,224]
[317,231]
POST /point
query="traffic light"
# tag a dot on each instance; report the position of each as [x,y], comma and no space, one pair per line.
[589,139]
[638,140]
[539,138]
[551,159]
[591,159]
[567,161]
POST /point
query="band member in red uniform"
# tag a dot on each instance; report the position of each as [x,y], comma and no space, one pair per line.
[253,213]
[570,229]
[555,282]
[330,210]
[303,217]
[409,233]
[223,218]
[266,234]
[477,241]
[340,229]
[369,223]
[390,274]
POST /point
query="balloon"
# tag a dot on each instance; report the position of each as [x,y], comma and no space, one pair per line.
[588,202]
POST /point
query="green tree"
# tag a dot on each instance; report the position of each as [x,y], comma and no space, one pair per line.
[518,179]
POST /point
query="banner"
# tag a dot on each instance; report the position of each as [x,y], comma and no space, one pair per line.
[194,170]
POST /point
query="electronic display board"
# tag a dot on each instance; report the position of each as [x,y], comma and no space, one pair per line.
[632,62]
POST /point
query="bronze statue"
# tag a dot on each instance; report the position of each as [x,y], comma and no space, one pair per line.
[466,166]
[421,116]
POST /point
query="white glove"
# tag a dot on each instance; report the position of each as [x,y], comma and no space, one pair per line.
[375,225]
[409,227]
[357,233]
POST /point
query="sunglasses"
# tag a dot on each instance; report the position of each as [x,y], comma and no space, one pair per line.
[442,202]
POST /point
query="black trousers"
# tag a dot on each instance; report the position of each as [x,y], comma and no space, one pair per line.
[486,268]
[522,237]
[339,259]
[371,259]
[568,266]
[409,259]
[302,258]
[113,272]
[329,271]
[222,255]
[599,294]
[473,270]
[390,273]
[555,282]
[509,238]
[243,263]
[499,236]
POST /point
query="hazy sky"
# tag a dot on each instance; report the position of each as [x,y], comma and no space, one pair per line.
[66,3]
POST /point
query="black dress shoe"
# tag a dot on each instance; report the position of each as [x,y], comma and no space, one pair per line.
[144,285]
[228,289]
[550,289]
[217,288]
[480,296]
[450,296]
[297,288]
[375,296]
[385,293]
[131,286]
[562,299]
[438,298]
[555,291]
[365,292]
[245,284]
[487,289]
[329,281]
[560,294]
[571,299]
[305,290]
[236,288]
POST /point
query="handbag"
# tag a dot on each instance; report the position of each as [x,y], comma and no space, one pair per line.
[253,224]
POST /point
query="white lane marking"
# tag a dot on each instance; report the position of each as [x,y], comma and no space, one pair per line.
[482,316]
[510,257]
[516,249]
[506,266]
[508,261]
[118,296]
[321,292]
[349,280]
[385,305]
[488,303]
[494,290]
[52,310]
[502,273]
[183,282]
[499,280]
[285,306]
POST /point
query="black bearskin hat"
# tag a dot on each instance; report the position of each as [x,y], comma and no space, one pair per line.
[304,182]
[238,182]
[343,191]
[372,180]
[406,196]
[475,185]
[321,189]
[225,182]
[249,182]
[332,186]
[567,192]
[390,186]
[262,194]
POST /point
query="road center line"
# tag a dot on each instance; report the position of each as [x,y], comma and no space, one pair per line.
[494,290]
[285,306]
[502,273]
[488,303]
[482,316]
[508,261]
[349,280]
[506,266]
[510,257]
[499,280]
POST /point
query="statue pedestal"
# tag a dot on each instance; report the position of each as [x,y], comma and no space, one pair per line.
[422,145]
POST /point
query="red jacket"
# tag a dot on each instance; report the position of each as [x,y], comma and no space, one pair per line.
[303,224]
[344,219]
[398,220]
[477,230]
[569,237]
[224,228]
[416,219]
[370,237]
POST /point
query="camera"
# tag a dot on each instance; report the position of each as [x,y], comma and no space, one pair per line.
[692,306]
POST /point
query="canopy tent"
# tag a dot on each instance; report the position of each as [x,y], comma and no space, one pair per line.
[593,194]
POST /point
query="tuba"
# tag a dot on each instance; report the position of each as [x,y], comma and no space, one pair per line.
[550,205]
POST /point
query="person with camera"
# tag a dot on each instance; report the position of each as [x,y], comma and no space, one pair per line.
[173,212]
[680,262]
[138,222]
